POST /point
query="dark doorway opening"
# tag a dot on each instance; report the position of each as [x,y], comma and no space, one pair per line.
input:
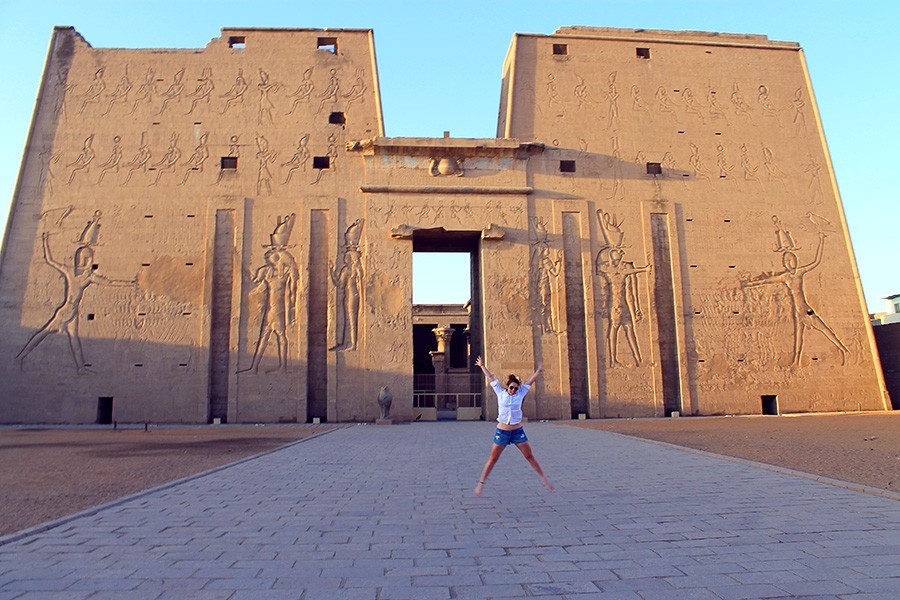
[770,405]
[104,410]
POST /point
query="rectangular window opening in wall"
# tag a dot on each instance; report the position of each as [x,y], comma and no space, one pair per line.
[567,166]
[727,220]
[693,266]
[337,118]
[321,162]
[91,316]
[145,264]
[138,364]
[182,364]
[191,216]
[186,314]
[732,266]
[104,410]
[189,264]
[228,162]
[769,405]
[654,168]
[238,42]
[642,53]
[328,44]
[689,220]
[94,267]
[560,49]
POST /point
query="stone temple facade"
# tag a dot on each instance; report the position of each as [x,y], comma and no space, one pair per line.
[226,233]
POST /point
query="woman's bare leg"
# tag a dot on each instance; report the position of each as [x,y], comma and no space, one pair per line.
[496,451]
[525,449]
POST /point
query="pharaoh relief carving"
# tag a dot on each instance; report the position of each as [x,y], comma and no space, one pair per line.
[146,91]
[545,267]
[700,171]
[84,159]
[234,151]
[621,305]
[749,167]
[612,97]
[357,90]
[765,103]
[140,160]
[92,94]
[173,92]
[773,171]
[582,95]
[663,103]
[303,91]
[553,100]
[637,102]
[792,278]
[266,87]
[62,88]
[299,159]
[235,94]
[48,160]
[120,94]
[265,158]
[275,283]
[740,105]
[196,161]
[77,277]
[330,94]
[169,160]
[798,104]
[112,161]
[712,105]
[691,105]
[615,163]
[203,91]
[346,295]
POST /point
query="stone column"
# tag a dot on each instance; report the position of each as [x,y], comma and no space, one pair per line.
[440,358]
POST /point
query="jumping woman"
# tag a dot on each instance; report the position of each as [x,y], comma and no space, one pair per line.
[509,423]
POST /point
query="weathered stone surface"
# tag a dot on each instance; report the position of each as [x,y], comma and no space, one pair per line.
[226,233]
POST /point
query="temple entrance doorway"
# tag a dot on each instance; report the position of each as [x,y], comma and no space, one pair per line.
[446,326]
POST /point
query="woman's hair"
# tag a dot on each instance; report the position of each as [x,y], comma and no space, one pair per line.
[512,379]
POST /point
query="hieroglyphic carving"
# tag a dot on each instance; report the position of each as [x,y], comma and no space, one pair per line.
[112,162]
[264,156]
[266,87]
[146,90]
[792,277]
[278,281]
[77,278]
[544,268]
[299,159]
[120,94]
[357,90]
[747,165]
[303,91]
[169,160]
[173,92]
[620,306]
[347,292]
[725,167]
[197,159]
[92,94]
[203,91]
[236,93]
[140,160]
[84,159]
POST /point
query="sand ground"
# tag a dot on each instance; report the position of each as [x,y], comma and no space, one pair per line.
[47,473]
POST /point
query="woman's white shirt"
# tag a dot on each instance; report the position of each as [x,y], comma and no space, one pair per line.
[509,405]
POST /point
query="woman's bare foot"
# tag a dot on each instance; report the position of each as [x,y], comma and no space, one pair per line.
[478,488]
[548,485]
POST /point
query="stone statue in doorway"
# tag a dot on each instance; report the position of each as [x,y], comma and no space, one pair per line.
[384,401]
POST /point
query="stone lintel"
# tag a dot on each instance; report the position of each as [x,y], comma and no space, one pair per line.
[435,189]
[711,38]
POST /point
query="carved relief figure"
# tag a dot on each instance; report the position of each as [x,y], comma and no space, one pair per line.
[236,93]
[612,95]
[747,165]
[725,167]
[691,106]
[203,91]
[804,316]
[279,280]
[303,90]
[299,160]
[763,99]
[169,159]
[799,119]
[712,103]
[581,92]
[195,162]
[623,301]
[357,90]
[812,169]
[348,282]
[140,160]
[331,92]
[62,87]
[446,166]
[84,159]
[772,169]
[545,268]
[234,150]
[697,163]
[120,94]
[740,105]
[637,103]
[663,102]
[146,90]
[553,100]
[48,159]
[265,88]
[615,163]
[111,163]
[173,92]
[264,156]
[92,94]
[77,278]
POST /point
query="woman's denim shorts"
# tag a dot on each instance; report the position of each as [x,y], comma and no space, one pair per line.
[502,437]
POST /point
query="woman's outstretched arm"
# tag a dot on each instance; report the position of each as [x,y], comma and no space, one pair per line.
[534,377]
[480,363]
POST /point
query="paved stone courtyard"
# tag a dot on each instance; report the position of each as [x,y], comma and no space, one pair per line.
[387,513]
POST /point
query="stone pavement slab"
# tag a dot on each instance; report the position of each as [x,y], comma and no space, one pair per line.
[387,513]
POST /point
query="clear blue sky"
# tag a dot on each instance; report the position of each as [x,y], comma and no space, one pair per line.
[440,62]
